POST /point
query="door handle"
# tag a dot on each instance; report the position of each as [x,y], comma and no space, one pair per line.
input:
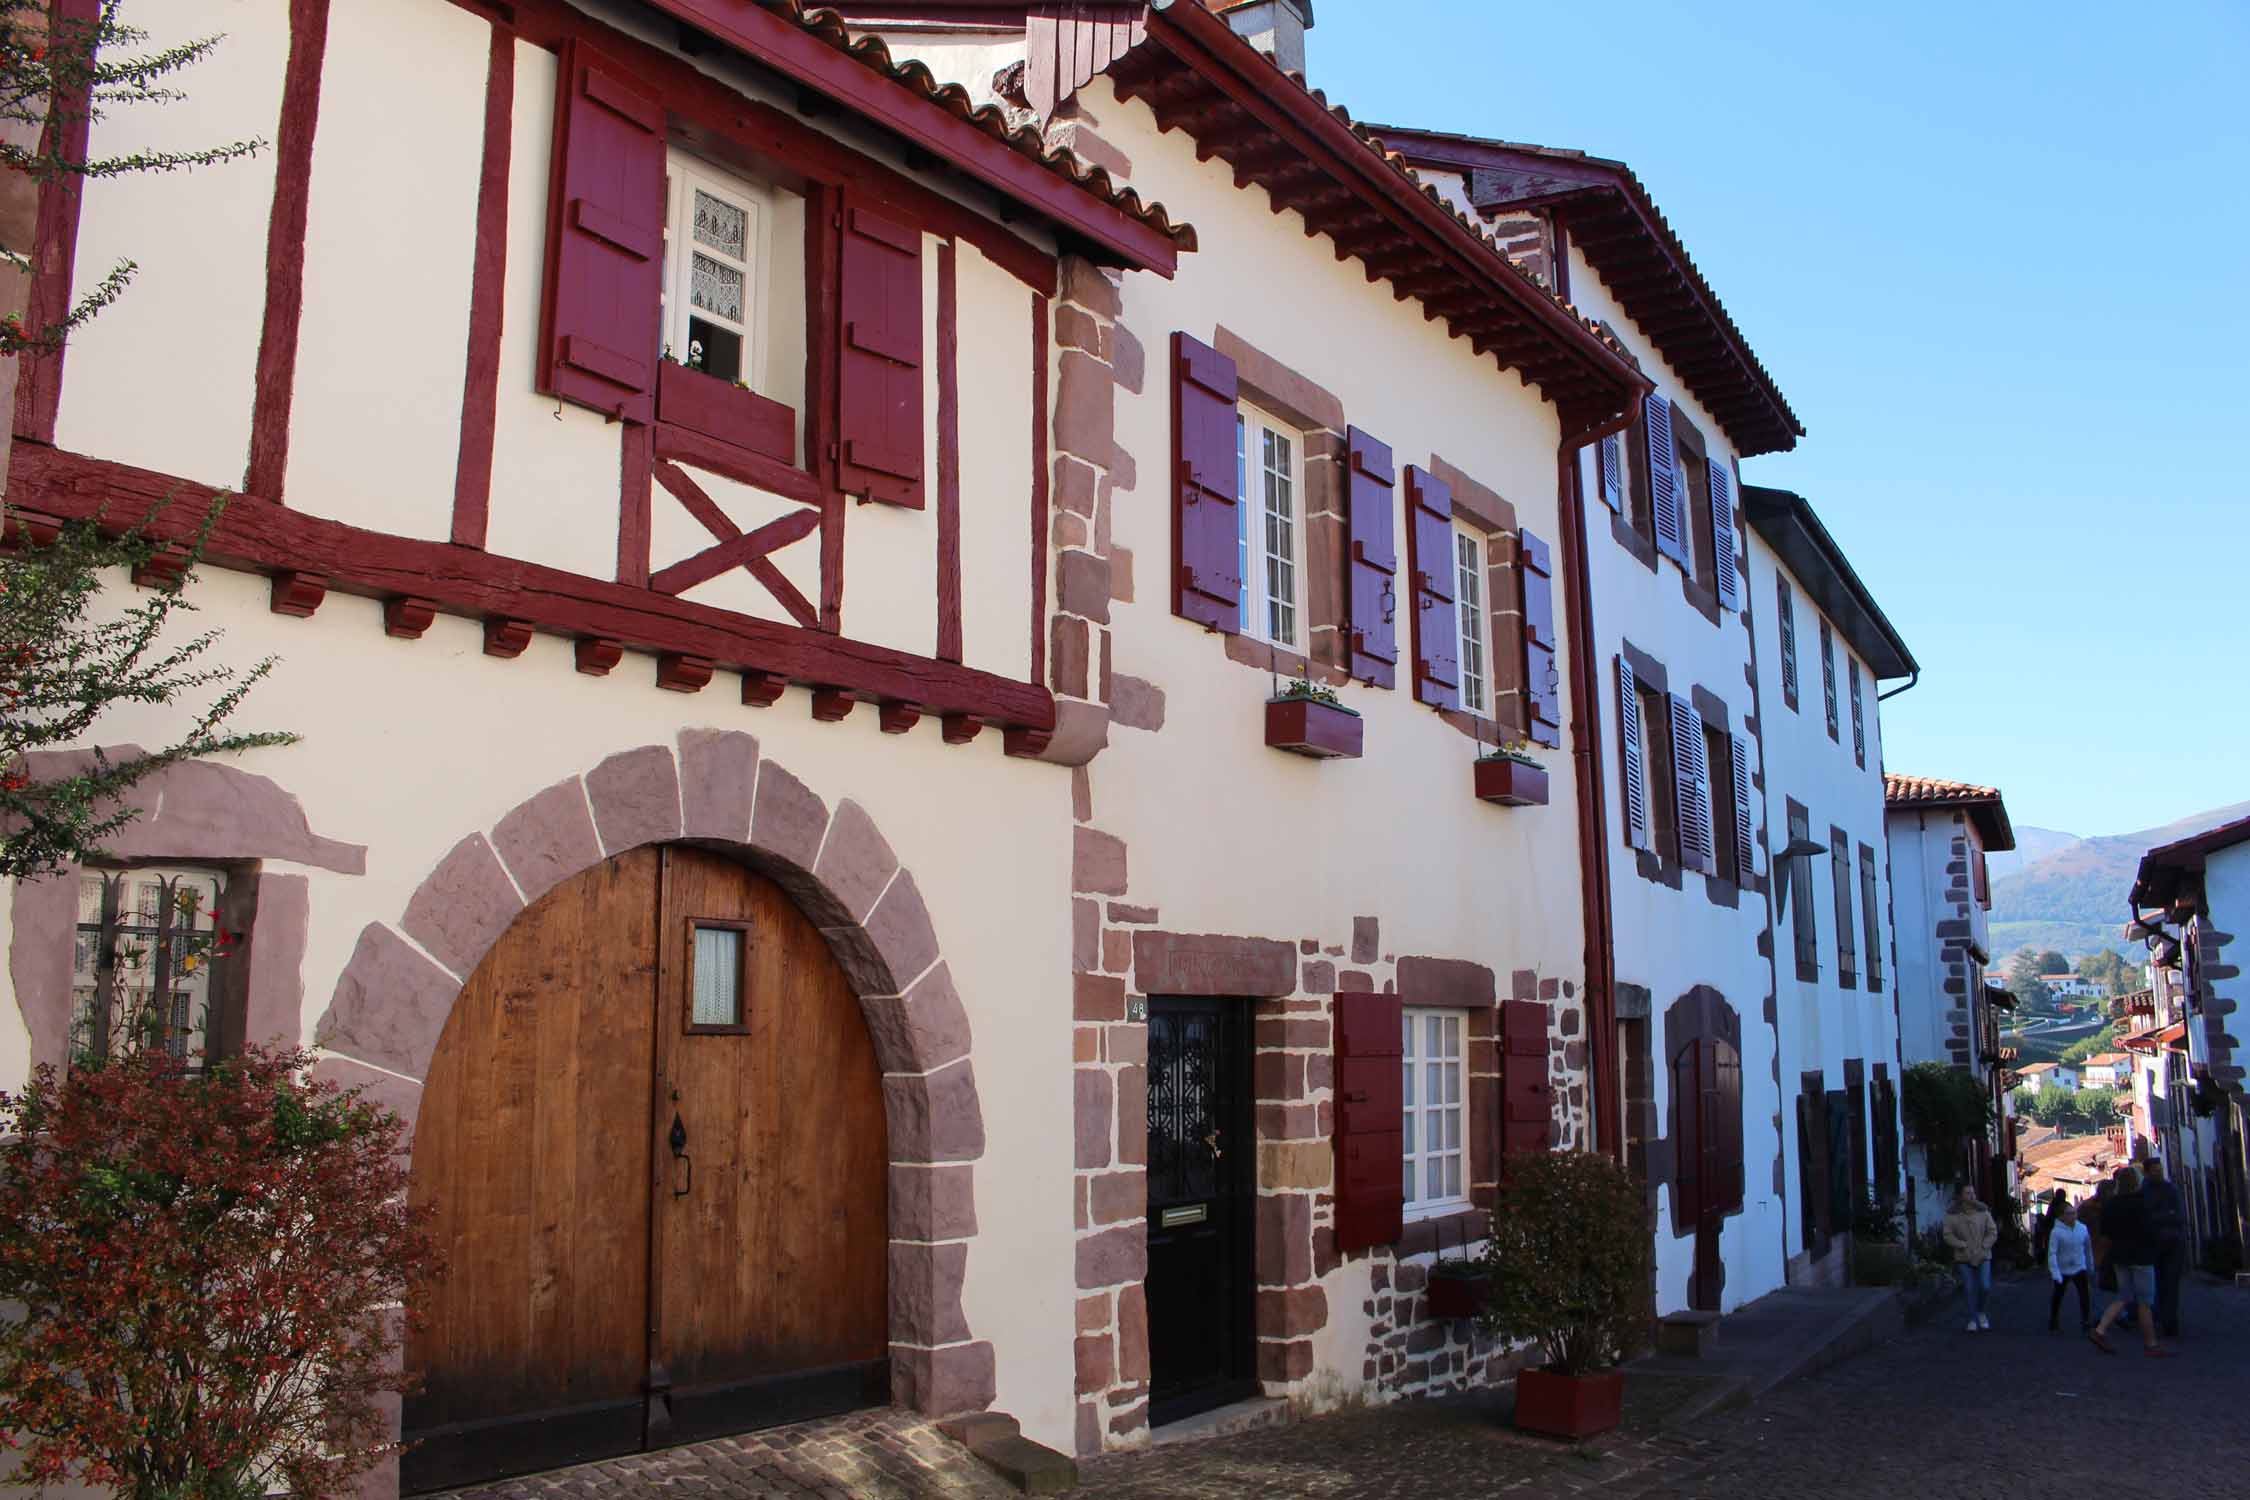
[1212,1141]
[683,1165]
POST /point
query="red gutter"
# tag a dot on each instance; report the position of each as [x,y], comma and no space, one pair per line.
[1205,43]
[781,44]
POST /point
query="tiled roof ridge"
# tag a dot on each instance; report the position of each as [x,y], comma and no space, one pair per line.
[873,53]
[1646,201]
[1397,162]
[1900,787]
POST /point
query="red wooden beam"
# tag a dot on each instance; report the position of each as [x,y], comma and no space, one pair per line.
[480,387]
[949,455]
[257,535]
[285,248]
[795,53]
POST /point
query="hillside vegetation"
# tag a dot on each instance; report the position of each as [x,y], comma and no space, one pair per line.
[2072,896]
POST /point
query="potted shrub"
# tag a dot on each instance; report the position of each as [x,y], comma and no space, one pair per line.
[1511,777]
[1878,1256]
[1307,718]
[1568,1264]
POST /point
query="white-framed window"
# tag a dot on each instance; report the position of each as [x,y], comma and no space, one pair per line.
[717,245]
[148,938]
[1469,611]
[1436,1110]
[1269,527]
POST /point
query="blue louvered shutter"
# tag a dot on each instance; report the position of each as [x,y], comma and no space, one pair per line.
[1722,535]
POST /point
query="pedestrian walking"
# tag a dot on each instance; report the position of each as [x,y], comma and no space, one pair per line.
[2132,1251]
[1970,1234]
[2070,1260]
[2167,1217]
[2090,1212]
[2056,1201]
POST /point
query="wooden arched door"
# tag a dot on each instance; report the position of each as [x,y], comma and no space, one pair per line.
[652,1140]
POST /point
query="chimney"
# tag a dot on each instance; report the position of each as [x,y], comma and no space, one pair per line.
[1275,27]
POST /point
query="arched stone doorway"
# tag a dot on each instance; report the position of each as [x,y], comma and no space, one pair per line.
[716,792]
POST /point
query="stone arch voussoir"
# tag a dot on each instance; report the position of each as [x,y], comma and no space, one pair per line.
[714,788]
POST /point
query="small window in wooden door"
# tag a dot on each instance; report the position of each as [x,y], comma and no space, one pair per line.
[719,970]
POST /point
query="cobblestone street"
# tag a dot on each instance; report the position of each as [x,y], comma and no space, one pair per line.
[1934,1415]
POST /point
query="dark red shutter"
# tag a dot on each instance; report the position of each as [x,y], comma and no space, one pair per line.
[1370,1120]
[879,371]
[1690,1132]
[603,300]
[1742,828]
[1436,567]
[1206,540]
[1630,735]
[1664,479]
[1722,535]
[1727,1105]
[1609,470]
[1690,780]
[1786,615]
[1542,679]
[1374,581]
[1859,716]
[1527,1117]
[1828,671]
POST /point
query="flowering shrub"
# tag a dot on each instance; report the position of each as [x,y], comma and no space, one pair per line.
[211,1263]
[1569,1259]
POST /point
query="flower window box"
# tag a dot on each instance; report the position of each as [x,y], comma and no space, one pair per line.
[725,412]
[1313,727]
[1511,781]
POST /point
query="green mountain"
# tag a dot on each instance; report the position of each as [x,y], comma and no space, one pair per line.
[2070,895]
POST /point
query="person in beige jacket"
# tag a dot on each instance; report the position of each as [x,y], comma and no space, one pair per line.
[1970,1233]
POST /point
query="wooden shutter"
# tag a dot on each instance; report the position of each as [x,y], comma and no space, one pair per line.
[1744,844]
[1828,672]
[1436,569]
[1722,535]
[1690,779]
[1870,918]
[1859,718]
[1527,1117]
[1690,1121]
[1374,563]
[1206,555]
[1542,679]
[879,372]
[1370,1120]
[1630,733]
[602,303]
[1847,932]
[1726,1176]
[1786,614]
[1664,487]
[1609,470]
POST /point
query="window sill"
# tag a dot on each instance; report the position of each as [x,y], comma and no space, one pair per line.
[731,430]
[1308,727]
[1448,1226]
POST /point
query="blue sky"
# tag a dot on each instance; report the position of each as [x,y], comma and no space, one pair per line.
[1995,255]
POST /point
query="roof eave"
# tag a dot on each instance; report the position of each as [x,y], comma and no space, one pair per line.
[1793,529]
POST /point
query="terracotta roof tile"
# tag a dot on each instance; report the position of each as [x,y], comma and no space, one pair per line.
[872,53]
[1982,802]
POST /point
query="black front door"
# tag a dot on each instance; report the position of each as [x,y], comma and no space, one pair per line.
[1199,1207]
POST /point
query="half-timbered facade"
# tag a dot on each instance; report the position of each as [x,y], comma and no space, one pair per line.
[1836,1008]
[638,418]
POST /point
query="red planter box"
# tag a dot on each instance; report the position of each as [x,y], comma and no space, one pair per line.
[1569,1406]
[1306,726]
[725,411]
[1511,783]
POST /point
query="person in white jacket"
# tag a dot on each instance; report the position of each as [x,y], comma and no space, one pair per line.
[2070,1259]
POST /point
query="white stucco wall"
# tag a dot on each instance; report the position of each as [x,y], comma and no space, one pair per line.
[1671,940]
[1823,1023]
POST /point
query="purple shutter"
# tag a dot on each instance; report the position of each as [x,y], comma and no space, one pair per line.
[1374,561]
[879,373]
[1542,679]
[1436,568]
[1742,835]
[1609,470]
[1663,478]
[1206,556]
[1526,1107]
[1630,732]
[1370,1120]
[602,304]
[1722,535]
[1690,778]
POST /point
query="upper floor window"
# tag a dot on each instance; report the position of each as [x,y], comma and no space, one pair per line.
[1828,672]
[1859,715]
[1871,917]
[1726,828]
[1476,660]
[1785,618]
[1658,768]
[1847,940]
[148,941]
[717,261]
[1269,470]
[1805,926]
[1435,1090]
